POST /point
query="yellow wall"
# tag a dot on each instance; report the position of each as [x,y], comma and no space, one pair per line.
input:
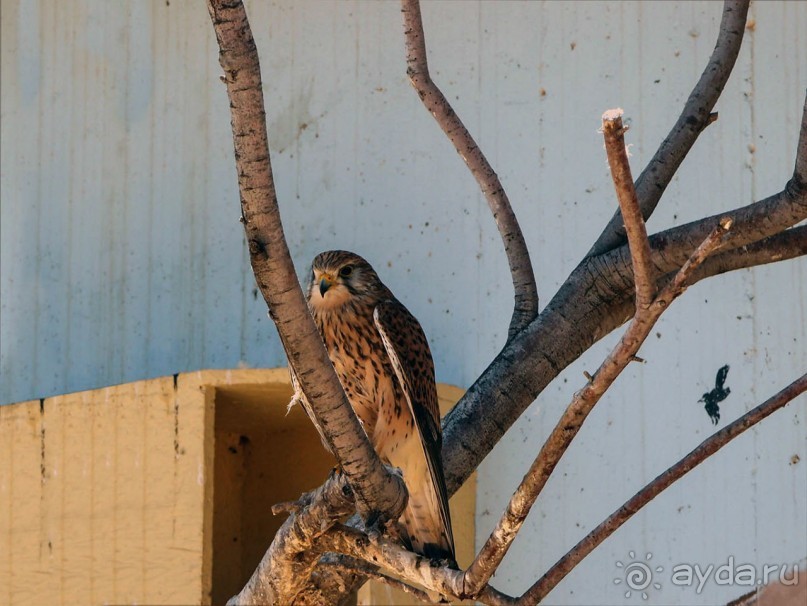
[159,491]
[101,497]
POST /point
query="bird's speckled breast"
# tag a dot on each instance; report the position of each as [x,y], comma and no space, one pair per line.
[362,365]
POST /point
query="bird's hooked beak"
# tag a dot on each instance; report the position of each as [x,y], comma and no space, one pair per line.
[326,281]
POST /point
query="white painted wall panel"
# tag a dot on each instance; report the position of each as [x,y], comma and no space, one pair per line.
[121,256]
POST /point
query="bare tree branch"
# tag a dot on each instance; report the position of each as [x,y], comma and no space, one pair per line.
[413,568]
[287,565]
[497,545]
[449,579]
[753,223]
[693,120]
[706,448]
[591,303]
[747,599]
[515,247]
[494,597]
[761,219]
[614,135]
[360,568]
[377,491]
[788,244]
[800,169]
[390,556]
[280,578]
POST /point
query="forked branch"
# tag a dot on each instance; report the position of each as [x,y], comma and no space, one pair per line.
[593,301]
[570,423]
[379,556]
[515,247]
[411,567]
[706,449]
[695,117]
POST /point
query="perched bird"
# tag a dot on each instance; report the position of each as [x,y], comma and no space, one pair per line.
[712,398]
[383,361]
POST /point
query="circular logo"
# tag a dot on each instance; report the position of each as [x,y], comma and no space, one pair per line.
[637,575]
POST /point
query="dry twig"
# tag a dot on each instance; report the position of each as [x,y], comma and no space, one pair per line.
[614,135]
[788,244]
[515,247]
[707,448]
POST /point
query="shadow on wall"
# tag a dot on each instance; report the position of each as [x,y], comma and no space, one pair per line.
[259,460]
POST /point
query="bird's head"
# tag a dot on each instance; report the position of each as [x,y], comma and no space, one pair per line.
[339,277]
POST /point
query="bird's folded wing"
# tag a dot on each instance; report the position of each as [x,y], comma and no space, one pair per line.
[408,350]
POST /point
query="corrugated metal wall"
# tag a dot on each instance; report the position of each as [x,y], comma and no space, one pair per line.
[122,257]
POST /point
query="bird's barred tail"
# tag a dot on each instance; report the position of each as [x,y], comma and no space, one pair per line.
[424,524]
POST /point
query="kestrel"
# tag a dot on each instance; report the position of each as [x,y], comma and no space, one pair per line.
[383,361]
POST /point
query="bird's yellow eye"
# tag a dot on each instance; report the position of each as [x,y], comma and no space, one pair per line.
[346,271]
